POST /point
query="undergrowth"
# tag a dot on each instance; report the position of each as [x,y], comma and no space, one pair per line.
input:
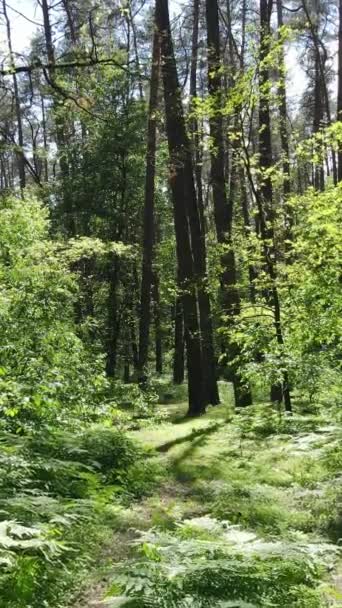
[56,494]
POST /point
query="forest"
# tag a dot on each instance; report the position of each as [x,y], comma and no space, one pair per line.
[170,303]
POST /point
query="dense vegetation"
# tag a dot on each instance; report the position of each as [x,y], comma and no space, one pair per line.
[170,304]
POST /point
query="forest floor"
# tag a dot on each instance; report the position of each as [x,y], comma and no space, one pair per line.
[274,479]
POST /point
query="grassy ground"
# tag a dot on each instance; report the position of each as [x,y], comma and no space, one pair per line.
[269,479]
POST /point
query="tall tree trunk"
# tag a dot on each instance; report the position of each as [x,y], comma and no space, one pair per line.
[317,124]
[135,47]
[284,135]
[45,140]
[320,77]
[203,295]
[149,221]
[20,152]
[194,122]
[339,94]
[265,193]
[157,325]
[185,206]
[223,208]
[112,323]
[68,207]
[178,356]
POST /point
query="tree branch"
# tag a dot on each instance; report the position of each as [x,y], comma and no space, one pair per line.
[38,65]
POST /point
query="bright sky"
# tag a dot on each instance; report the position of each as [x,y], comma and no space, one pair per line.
[22,31]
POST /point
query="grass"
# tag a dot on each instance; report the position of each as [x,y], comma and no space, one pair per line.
[275,478]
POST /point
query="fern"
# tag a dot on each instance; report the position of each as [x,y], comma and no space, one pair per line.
[230,569]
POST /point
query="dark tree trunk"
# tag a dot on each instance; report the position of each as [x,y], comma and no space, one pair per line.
[68,208]
[265,193]
[136,52]
[148,228]
[339,94]
[223,207]
[185,207]
[157,325]
[20,152]
[112,323]
[321,57]
[317,124]
[200,262]
[284,135]
[178,356]
[194,122]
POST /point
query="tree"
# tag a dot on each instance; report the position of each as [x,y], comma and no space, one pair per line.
[185,212]
[339,95]
[223,210]
[149,218]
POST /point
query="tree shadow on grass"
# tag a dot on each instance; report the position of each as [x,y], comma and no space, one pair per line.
[195,437]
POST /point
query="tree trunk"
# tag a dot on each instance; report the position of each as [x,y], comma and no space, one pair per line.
[265,194]
[20,152]
[68,207]
[148,228]
[317,124]
[201,263]
[223,208]
[112,324]
[193,121]
[157,325]
[178,356]
[320,84]
[184,205]
[284,135]
[339,95]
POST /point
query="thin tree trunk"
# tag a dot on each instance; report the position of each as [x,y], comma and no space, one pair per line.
[136,52]
[339,94]
[157,325]
[20,152]
[69,222]
[178,356]
[194,122]
[149,221]
[284,135]
[112,324]
[317,124]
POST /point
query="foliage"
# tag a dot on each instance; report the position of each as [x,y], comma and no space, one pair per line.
[46,370]
[55,490]
[227,568]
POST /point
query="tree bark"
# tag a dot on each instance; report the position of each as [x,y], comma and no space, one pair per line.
[149,221]
[339,94]
[203,295]
[223,207]
[68,207]
[284,135]
[112,323]
[185,206]
[321,89]
[20,152]
[157,325]
[178,355]
[265,194]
